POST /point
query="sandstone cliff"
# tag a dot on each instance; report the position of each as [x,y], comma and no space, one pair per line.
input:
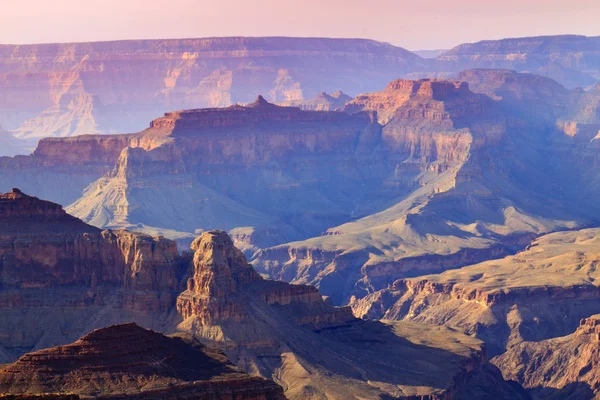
[60,277]
[315,350]
[64,276]
[263,146]
[126,361]
[105,87]
[468,179]
[558,368]
[534,295]
[454,177]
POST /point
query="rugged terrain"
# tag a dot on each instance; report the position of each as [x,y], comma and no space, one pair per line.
[537,294]
[559,368]
[569,59]
[71,89]
[423,176]
[127,361]
[85,88]
[60,277]
[471,186]
[78,277]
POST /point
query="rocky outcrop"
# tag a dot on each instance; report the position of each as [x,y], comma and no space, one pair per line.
[558,367]
[221,276]
[86,88]
[537,294]
[275,147]
[313,349]
[78,278]
[52,263]
[127,361]
[322,102]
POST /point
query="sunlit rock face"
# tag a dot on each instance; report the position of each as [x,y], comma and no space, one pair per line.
[86,88]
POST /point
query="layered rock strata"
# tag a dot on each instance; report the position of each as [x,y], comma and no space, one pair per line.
[127,361]
[60,276]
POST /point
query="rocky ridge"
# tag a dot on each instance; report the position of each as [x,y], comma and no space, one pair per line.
[557,368]
[106,87]
[127,361]
[469,165]
[86,278]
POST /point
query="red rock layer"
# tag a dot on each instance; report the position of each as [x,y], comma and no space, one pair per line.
[127,361]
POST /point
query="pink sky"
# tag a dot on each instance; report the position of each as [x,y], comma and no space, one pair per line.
[417,24]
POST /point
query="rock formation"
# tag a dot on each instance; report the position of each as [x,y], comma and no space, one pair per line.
[467,173]
[558,368]
[537,294]
[453,177]
[85,88]
[572,60]
[60,276]
[126,361]
[323,102]
[315,350]
[272,148]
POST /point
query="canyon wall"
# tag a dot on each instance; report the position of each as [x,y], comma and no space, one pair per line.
[116,87]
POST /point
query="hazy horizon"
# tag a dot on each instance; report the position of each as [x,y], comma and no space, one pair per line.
[429,25]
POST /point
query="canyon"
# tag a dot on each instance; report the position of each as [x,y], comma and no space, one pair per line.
[424,176]
[79,278]
[114,87]
[525,307]
[70,89]
[572,60]
[300,218]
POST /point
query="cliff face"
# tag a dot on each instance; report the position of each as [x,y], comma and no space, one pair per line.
[569,59]
[537,294]
[315,350]
[126,361]
[452,178]
[467,168]
[86,88]
[52,263]
[60,276]
[558,367]
[228,158]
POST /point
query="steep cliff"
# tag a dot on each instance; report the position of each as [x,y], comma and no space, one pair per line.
[469,179]
[537,294]
[60,277]
[104,87]
[315,350]
[126,361]
[558,368]
[572,60]
[216,164]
